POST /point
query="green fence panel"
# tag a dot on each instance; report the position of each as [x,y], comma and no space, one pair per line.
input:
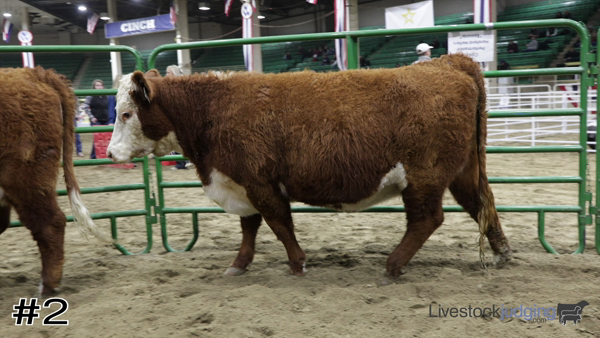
[149,202]
[596,72]
[353,44]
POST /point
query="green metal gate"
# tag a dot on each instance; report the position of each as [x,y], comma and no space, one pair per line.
[113,215]
[352,39]
[586,72]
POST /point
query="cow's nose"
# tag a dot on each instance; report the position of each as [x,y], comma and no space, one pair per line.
[108,153]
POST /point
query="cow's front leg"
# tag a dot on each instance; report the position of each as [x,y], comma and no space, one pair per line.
[276,211]
[250,227]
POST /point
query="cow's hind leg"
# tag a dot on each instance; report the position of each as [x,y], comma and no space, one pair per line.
[424,215]
[250,227]
[466,191]
[39,212]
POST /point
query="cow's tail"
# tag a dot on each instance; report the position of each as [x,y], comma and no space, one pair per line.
[81,215]
[488,215]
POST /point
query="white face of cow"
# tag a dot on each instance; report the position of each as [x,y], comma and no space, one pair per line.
[128,140]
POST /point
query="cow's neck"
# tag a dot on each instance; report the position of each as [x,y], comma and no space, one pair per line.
[188,116]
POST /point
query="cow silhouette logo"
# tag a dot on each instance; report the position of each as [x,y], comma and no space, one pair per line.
[571,312]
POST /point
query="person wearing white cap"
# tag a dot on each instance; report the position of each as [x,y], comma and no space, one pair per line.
[424,52]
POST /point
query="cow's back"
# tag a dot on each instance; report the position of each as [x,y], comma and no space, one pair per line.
[31,115]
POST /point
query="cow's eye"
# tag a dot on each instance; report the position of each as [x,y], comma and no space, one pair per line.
[126,116]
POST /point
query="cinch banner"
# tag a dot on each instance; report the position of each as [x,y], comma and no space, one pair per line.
[152,24]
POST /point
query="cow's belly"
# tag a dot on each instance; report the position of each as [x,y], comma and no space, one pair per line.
[391,186]
[233,199]
[228,195]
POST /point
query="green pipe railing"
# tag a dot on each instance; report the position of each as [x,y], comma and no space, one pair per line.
[352,39]
[161,206]
[113,215]
[139,60]
[595,211]
[353,42]
[150,218]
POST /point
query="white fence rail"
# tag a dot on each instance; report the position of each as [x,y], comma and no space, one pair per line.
[541,130]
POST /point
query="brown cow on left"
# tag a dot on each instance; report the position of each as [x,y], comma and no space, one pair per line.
[37,117]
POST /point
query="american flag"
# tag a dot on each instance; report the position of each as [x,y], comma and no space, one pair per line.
[173,13]
[228,4]
[91,23]
[314,2]
[6,30]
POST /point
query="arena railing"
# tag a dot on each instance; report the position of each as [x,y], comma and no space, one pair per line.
[352,38]
[112,215]
[595,71]
[161,210]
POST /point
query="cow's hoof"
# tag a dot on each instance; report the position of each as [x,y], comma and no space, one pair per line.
[44,292]
[300,272]
[389,279]
[233,271]
[503,257]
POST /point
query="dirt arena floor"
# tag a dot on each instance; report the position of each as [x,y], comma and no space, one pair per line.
[164,294]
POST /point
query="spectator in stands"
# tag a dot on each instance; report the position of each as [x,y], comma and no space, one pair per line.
[558,15]
[435,43]
[503,65]
[326,60]
[532,46]
[552,31]
[330,51]
[173,70]
[100,109]
[287,56]
[572,55]
[594,38]
[307,54]
[364,63]
[566,15]
[300,51]
[512,47]
[424,53]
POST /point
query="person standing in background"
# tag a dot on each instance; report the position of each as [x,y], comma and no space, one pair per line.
[101,109]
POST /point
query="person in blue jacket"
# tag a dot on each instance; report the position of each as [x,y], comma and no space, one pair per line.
[101,109]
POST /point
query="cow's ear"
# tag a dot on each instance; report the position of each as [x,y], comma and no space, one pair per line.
[152,73]
[142,92]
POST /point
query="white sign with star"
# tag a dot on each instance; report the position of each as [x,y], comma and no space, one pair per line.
[419,14]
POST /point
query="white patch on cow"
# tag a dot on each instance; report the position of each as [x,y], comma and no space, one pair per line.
[229,195]
[128,140]
[391,186]
[83,219]
[283,191]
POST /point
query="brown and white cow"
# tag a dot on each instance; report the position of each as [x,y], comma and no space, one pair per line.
[37,116]
[345,140]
